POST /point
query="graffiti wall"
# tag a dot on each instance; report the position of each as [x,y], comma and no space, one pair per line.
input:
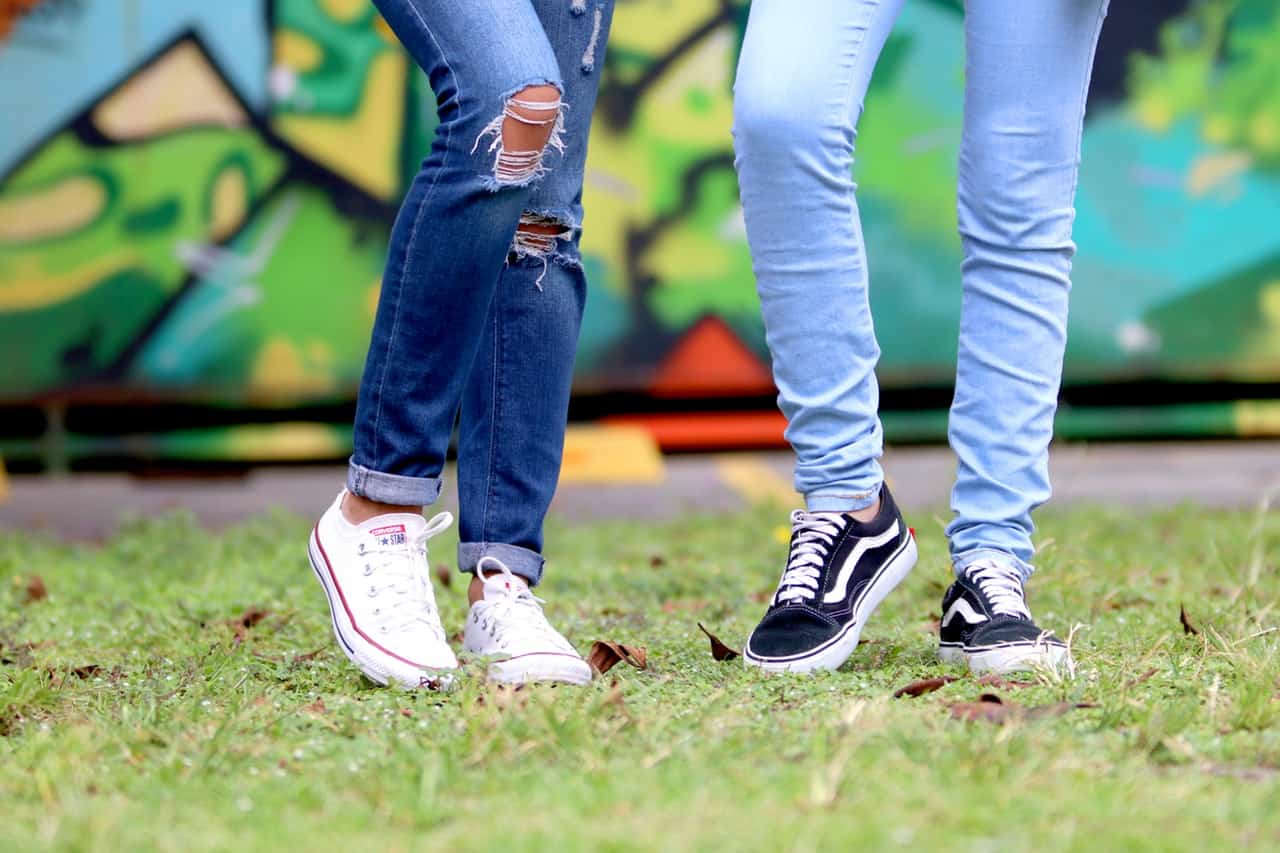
[195,199]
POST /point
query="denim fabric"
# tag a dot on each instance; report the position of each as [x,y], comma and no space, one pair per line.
[802,78]
[470,321]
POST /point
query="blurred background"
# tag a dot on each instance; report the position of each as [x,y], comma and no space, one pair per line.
[195,201]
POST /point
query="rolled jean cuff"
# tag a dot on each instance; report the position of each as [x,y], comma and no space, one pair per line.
[392,488]
[968,558]
[521,561]
[828,502]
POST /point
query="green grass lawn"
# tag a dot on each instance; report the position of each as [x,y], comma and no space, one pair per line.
[137,713]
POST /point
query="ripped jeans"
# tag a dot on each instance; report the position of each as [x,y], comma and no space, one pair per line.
[483,292]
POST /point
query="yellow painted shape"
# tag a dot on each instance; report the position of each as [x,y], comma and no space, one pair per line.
[26,287]
[284,442]
[382,28]
[755,481]
[1264,132]
[296,51]
[688,256]
[1218,129]
[641,28]
[4,483]
[1255,419]
[180,89]
[1155,113]
[363,148]
[1212,170]
[611,454]
[51,211]
[230,202]
[344,10]
[281,369]
[372,294]
[1269,302]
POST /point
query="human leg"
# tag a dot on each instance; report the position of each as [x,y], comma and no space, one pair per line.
[1027,78]
[801,81]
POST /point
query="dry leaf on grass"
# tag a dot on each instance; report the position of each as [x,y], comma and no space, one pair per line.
[926,685]
[1187,627]
[35,590]
[764,596]
[657,561]
[316,707]
[1146,676]
[719,650]
[991,708]
[605,654]
[691,605]
[444,574]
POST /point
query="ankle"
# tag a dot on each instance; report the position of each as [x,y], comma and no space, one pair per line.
[869,513]
[357,510]
[475,592]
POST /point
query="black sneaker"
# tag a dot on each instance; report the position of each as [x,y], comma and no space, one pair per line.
[838,571]
[986,624]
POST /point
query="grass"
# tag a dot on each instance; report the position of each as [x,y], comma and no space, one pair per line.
[137,711]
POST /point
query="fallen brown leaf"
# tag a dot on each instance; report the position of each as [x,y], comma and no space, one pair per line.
[719,650]
[926,685]
[253,616]
[35,590]
[444,574]
[657,561]
[605,654]
[316,707]
[311,655]
[764,596]
[992,709]
[1187,627]
[406,712]
[89,669]
[1146,676]
[989,707]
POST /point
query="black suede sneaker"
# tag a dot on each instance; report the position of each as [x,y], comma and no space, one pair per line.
[986,624]
[838,571]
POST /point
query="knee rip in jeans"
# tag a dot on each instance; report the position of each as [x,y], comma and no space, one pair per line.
[532,121]
[538,236]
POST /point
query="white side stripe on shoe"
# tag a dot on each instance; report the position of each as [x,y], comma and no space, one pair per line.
[963,608]
[851,562]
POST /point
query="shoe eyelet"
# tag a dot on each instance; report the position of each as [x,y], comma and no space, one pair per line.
[384,629]
[360,549]
[373,592]
[368,570]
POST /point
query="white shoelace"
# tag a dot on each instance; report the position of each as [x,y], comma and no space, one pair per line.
[811,539]
[1002,585]
[404,570]
[514,617]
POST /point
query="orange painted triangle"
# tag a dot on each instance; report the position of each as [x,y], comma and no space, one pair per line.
[710,360]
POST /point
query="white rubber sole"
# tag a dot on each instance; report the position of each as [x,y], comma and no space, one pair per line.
[837,650]
[1015,657]
[349,639]
[541,669]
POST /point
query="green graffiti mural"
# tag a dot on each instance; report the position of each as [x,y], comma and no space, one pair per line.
[184,235]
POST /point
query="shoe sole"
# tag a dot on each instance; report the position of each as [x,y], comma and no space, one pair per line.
[439,680]
[540,668]
[1012,657]
[837,650]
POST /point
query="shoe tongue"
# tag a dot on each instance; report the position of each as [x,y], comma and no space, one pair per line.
[388,531]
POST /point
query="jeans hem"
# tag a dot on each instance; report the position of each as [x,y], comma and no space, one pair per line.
[392,488]
[841,502]
[962,561]
[521,561]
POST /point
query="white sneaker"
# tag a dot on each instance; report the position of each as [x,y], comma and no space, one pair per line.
[378,582]
[508,624]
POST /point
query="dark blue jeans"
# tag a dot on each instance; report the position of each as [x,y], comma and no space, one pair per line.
[477,324]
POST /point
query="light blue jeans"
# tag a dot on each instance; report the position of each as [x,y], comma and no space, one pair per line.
[802,78]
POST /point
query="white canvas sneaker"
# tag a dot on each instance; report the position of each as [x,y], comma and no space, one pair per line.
[509,626]
[378,582]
